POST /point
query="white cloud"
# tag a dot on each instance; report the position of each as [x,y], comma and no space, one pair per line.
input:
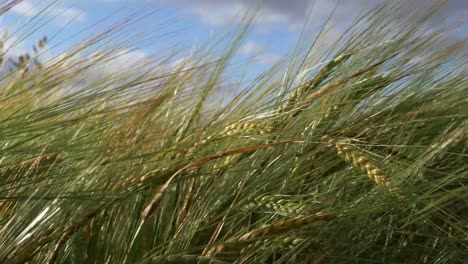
[268,59]
[183,63]
[125,60]
[188,62]
[105,62]
[271,16]
[258,53]
[289,15]
[219,12]
[60,13]
[24,8]
[69,13]
[250,48]
[221,15]
[233,12]
[100,67]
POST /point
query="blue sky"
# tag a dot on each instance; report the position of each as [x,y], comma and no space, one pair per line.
[190,23]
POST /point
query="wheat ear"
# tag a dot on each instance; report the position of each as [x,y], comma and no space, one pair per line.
[239,129]
[284,242]
[247,128]
[277,228]
[287,225]
[278,205]
[185,259]
[323,74]
[360,161]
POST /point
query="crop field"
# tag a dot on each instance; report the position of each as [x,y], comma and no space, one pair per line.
[353,154]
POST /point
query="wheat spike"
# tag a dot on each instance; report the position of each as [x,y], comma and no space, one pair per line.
[185,259]
[278,205]
[225,163]
[259,128]
[239,129]
[273,244]
[360,161]
[323,74]
[277,228]
[138,180]
[236,129]
[285,242]
[287,225]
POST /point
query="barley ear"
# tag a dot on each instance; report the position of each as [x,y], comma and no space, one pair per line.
[277,228]
[360,161]
[298,93]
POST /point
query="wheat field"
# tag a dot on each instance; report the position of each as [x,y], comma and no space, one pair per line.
[355,154]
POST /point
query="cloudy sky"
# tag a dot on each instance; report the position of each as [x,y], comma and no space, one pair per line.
[191,22]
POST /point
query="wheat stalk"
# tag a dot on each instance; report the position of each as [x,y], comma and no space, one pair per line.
[149,209]
[28,251]
[39,163]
